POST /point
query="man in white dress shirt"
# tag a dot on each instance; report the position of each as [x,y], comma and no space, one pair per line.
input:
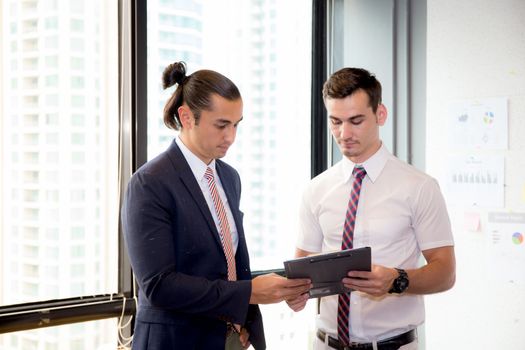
[401,214]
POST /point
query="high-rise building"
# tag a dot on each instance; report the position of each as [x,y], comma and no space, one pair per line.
[59,161]
[59,141]
[174,34]
[249,42]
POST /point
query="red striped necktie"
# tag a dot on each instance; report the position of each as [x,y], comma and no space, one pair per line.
[224,232]
[343,309]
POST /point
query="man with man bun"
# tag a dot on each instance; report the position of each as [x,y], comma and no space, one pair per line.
[183,229]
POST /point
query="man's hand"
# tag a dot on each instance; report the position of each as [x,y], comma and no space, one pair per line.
[376,282]
[243,337]
[272,288]
[437,275]
[297,304]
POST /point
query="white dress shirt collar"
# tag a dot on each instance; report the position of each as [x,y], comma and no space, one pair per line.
[198,167]
[373,165]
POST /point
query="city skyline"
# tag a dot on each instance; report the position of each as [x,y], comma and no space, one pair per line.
[57,83]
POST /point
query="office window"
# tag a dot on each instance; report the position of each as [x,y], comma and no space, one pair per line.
[51,61]
[51,80]
[52,138]
[51,100]
[51,42]
[70,337]
[77,63]
[51,23]
[52,157]
[29,26]
[77,7]
[272,148]
[78,139]
[30,83]
[78,195]
[78,101]
[77,82]
[77,233]
[77,25]
[51,143]
[77,45]
[77,120]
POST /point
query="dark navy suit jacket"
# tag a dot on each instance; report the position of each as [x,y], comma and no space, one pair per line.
[174,247]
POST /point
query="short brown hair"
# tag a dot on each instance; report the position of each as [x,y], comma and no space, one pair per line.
[346,81]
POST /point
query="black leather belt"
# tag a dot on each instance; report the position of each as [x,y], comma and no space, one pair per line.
[393,343]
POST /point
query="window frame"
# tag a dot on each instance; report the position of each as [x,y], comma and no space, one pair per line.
[132,154]
[132,24]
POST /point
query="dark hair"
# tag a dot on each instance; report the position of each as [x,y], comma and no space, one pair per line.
[346,81]
[195,90]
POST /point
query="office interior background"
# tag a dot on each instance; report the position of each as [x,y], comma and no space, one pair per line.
[81,108]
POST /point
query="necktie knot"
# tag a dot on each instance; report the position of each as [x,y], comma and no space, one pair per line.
[359,172]
[209,174]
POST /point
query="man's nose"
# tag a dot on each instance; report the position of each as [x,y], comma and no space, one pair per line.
[230,134]
[346,130]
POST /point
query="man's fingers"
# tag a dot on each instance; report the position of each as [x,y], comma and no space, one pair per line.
[297,282]
[359,274]
[298,303]
[244,338]
[295,291]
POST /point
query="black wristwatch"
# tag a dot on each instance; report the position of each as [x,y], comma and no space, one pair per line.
[400,283]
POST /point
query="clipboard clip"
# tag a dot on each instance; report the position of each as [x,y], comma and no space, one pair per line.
[315,259]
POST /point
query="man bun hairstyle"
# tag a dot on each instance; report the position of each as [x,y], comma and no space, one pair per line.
[195,90]
[175,73]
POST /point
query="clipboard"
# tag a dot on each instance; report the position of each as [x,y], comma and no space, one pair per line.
[327,270]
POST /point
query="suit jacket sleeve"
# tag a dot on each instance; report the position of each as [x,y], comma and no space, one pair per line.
[148,224]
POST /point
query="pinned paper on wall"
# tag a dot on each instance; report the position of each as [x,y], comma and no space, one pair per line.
[478,124]
[506,247]
[476,180]
[472,222]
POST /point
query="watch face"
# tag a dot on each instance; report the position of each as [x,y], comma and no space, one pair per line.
[401,282]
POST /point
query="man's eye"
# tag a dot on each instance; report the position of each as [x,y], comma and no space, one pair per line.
[356,121]
[335,121]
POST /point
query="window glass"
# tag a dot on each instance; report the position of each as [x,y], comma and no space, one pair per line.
[264,46]
[59,161]
[76,336]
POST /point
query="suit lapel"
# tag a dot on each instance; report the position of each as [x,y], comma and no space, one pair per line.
[228,187]
[186,176]
[232,193]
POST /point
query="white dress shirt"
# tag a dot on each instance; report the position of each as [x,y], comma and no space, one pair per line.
[198,167]
[400,213]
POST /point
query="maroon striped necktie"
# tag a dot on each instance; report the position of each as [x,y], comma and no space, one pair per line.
[224,232]
[343,309]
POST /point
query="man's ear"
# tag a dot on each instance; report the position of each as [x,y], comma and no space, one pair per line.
[381,114]
[185,116]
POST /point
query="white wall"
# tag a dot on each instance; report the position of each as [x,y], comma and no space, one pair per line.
[476,50]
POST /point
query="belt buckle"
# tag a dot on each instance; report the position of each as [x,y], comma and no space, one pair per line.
[352,345]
